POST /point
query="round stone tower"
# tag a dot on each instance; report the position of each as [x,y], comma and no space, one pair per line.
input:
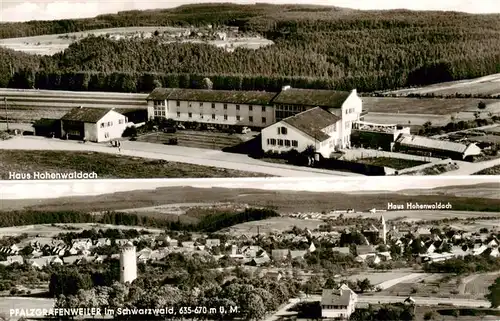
[128,263]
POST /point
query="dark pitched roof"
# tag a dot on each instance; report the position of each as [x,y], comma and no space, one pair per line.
[160,93]
[216,96]
[312,121]
[86,114]
[312,97]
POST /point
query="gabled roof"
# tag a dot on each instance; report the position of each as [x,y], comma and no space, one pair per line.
[312,121]
[86,114]
[312,97]
[215,96]
[342,296]
[160,93]
[431,144]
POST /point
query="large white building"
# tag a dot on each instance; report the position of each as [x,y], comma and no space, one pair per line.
[221,108]
[93,124]
[338,303]
[128,263]
[256,109]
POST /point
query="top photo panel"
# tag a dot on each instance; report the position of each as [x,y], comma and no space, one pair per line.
[232,90]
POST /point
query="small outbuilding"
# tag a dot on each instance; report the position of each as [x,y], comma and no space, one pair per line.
[93,124]
[436,148]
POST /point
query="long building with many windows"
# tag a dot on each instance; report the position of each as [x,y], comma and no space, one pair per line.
[255,109]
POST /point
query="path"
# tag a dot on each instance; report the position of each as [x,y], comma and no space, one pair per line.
[467,168]
[198,156]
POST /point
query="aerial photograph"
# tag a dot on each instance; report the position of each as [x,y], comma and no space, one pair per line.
[184,89]
[251,249]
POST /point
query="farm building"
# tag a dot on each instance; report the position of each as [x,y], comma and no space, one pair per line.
[436,148]
[255,109]
[93,124]
[47,127]
[314,127]
[377,135]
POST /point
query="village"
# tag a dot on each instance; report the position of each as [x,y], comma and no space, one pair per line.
[372,257]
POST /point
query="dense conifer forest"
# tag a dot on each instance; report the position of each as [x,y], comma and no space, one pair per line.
[315,47]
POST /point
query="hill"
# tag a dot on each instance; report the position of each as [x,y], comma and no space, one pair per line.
[314,47]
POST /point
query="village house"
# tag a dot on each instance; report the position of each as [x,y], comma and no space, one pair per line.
[338,303]
[93,124]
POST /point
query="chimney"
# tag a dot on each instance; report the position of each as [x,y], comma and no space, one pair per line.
[285,87]
[354,91]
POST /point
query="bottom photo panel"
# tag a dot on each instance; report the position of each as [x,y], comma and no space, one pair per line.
[397,248]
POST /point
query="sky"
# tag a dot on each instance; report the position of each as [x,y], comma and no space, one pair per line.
[24,10]
[54,189]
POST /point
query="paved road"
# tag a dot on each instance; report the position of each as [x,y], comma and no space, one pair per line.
[467,168]
[198,156]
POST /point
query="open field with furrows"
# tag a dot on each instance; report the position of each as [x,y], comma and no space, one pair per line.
[477,285]
[283,201]
[434,285]
[197,139]
[105,165]
[481,191]
[484,86]
[270,225]
[52,44]
[29,105]
[433,106]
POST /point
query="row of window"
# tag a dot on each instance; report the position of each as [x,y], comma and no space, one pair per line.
[110,123]
[292,108]
[282,142]
[349,111]
[250,107]
[336,307]
[238,118]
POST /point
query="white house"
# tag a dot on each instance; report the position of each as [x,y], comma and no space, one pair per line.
[339,303]
[316,128]
[93,124]
[212,107]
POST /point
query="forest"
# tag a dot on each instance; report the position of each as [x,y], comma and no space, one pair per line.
[207,223]
[314,47]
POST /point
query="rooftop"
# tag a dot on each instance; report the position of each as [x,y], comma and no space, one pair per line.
[216,96]
[86,114]
[429,143]
[341,297]
[312,97]
[312,122]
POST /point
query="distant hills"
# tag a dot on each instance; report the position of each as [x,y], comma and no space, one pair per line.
[314,47]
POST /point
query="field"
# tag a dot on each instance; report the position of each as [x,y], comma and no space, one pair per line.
[30,105]
[417,111]
[52,44]
[379,278]
[477,285]
[484,86]
[197,139]
[396,163]
[433,285]
[270,225]
[105,165]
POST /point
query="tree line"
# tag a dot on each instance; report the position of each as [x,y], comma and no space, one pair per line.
[209,223]
[313,48]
